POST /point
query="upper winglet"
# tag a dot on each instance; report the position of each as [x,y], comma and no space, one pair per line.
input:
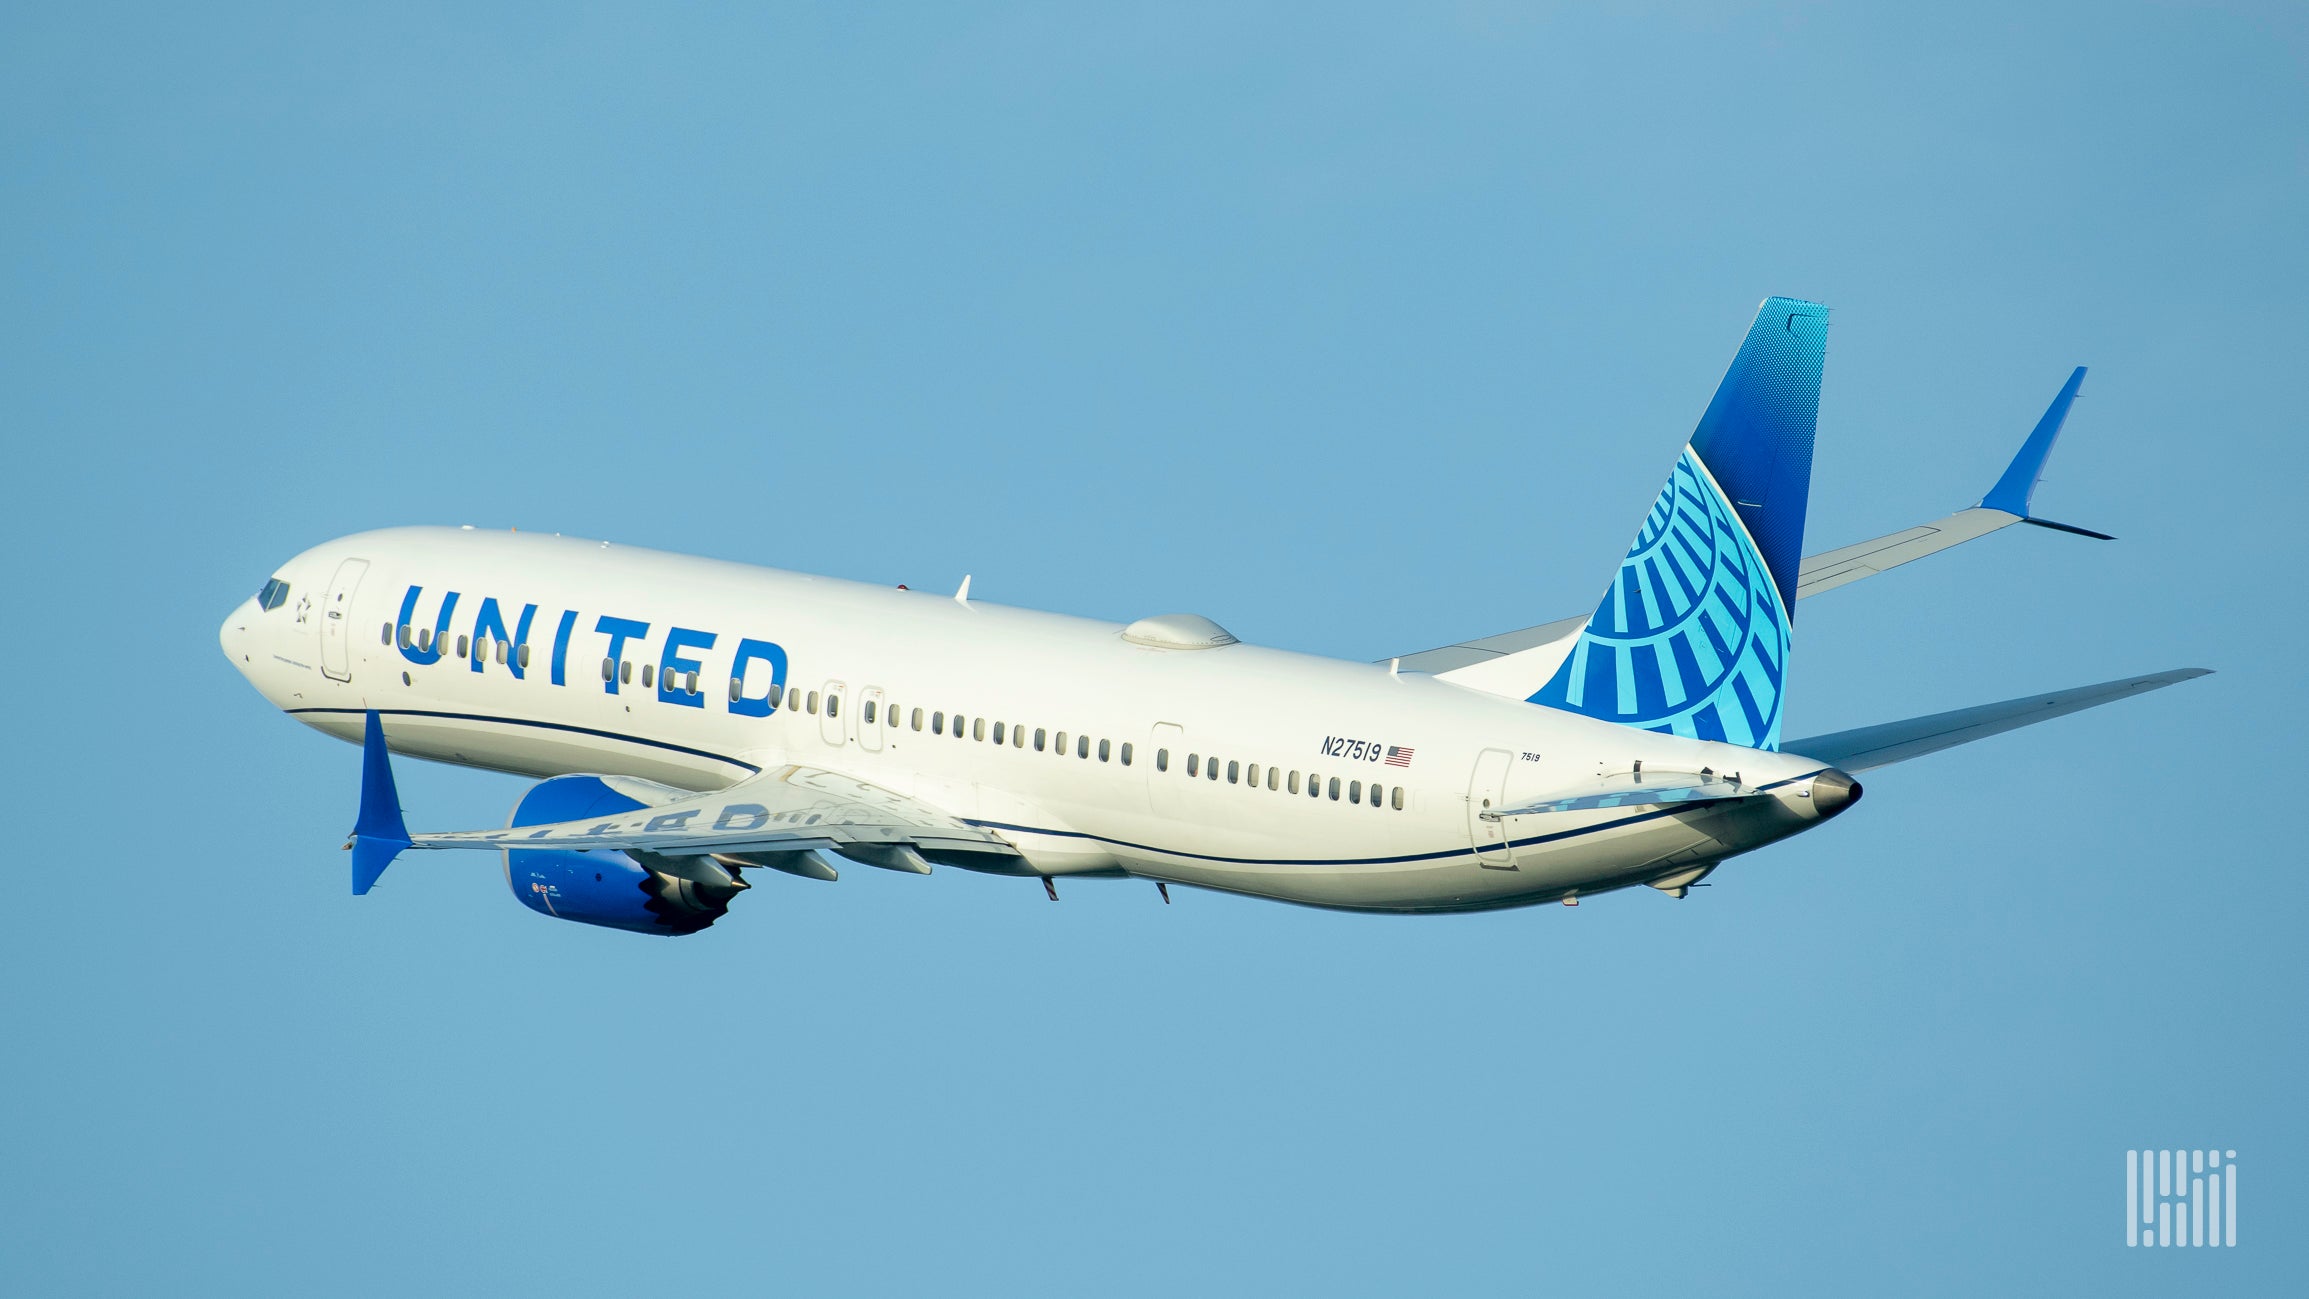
[379,834]
[2013,492]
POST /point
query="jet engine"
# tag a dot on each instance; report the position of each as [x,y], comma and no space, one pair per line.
[641,892]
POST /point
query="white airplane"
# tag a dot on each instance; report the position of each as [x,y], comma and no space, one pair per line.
[695,720]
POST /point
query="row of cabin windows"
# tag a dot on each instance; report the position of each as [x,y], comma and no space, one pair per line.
[502,651]
[976,728]
[421,640]
[1249,774]
[984,730]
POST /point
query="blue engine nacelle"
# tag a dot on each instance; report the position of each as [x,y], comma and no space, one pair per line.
[614,889]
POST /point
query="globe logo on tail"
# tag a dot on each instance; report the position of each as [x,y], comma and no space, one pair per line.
[1692,638]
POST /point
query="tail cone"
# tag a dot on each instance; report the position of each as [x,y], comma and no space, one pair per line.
[1832,792]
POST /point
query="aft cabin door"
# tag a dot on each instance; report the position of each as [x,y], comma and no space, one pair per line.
[337,620]
[1487,792]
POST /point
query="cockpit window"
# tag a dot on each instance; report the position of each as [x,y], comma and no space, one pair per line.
[274,595]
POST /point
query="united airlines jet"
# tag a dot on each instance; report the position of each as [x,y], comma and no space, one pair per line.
[694,723]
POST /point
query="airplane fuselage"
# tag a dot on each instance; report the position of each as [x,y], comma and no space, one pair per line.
[1235,767]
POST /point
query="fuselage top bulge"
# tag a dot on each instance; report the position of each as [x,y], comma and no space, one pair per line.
[694,720]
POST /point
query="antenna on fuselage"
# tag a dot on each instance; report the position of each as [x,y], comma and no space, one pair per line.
[962,592]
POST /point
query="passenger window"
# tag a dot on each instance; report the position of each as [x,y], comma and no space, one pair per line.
[1102,750]
[813,701]
[1398,798]
[999,732]
[793,696]
[405,638]
[609,669]
[1082,746]
[1162,759]
[424,642]
[917,719]
[521,656]
[868,715]
[646,670]
[1039,736]
[1211,769]
[1334,789]
[833,704]
[938,722]
[1126,753]
[1194,764]
[1251,774]
[388,635]
[1294,782]
[1233,770]
[461,647]
[625,672]
[1017,736]
[1061,749]
[978,729]
[1274,778]
[1355,791]
[735,684]
[502,647]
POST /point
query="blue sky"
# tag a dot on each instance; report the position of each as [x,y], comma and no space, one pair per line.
[1360,330]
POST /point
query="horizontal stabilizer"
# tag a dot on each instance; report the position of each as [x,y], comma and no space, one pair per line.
[1881,746]
[1510,662]
[1632,789]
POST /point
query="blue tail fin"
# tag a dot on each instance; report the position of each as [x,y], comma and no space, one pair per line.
[1692,636]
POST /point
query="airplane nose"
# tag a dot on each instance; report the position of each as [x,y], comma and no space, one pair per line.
[1832,792]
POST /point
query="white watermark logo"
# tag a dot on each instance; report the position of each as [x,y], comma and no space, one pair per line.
[2181,1197]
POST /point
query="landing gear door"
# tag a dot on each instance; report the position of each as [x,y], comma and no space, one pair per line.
[337,620]
[1487,792]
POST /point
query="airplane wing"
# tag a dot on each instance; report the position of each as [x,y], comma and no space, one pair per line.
[1881,746]
[770,819]
[1537,650]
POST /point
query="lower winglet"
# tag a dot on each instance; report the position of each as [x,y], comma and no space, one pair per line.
[379,833]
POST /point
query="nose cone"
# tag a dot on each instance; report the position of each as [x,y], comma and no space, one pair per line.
[1832,792]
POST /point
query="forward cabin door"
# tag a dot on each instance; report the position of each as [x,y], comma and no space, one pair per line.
[1164,765]
[1487,791]
[337,620]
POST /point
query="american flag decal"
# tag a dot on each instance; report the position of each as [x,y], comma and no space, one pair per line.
[1398,756]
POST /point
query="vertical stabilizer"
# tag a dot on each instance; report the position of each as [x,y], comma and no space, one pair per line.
[1692,636]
